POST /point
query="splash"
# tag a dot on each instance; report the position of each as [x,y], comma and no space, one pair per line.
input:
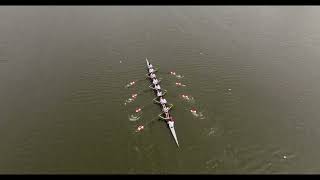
[179,84]
[134,95]
[131,99]
[197,114]
[134,117]
[130,84]
[138,110]
[201,116]
[211,132]
[128,101]
[179,76]
[140,128]
[187,98]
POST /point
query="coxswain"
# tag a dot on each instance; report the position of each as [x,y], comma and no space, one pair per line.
[170,122]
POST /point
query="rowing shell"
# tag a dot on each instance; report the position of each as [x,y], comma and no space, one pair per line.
[170,123]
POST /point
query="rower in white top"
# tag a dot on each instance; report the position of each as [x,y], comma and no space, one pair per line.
[162,101]
[154,84]
[160,93]
[152,76]
[166,109]
[151,70]
[155,81]
[157,87]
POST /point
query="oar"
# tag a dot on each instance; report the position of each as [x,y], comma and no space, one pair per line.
[134,82]
[147,90]
[153,119]
[141,127]
[143,91]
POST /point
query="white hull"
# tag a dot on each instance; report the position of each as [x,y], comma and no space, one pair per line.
[173,132]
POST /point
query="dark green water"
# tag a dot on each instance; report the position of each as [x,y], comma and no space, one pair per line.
[253,71]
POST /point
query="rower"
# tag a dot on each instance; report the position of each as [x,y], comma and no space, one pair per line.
[155,81]
[150,66]
[159,93]
[157,87]
[166,109]
[151,70]
[163,101]
[152,76]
